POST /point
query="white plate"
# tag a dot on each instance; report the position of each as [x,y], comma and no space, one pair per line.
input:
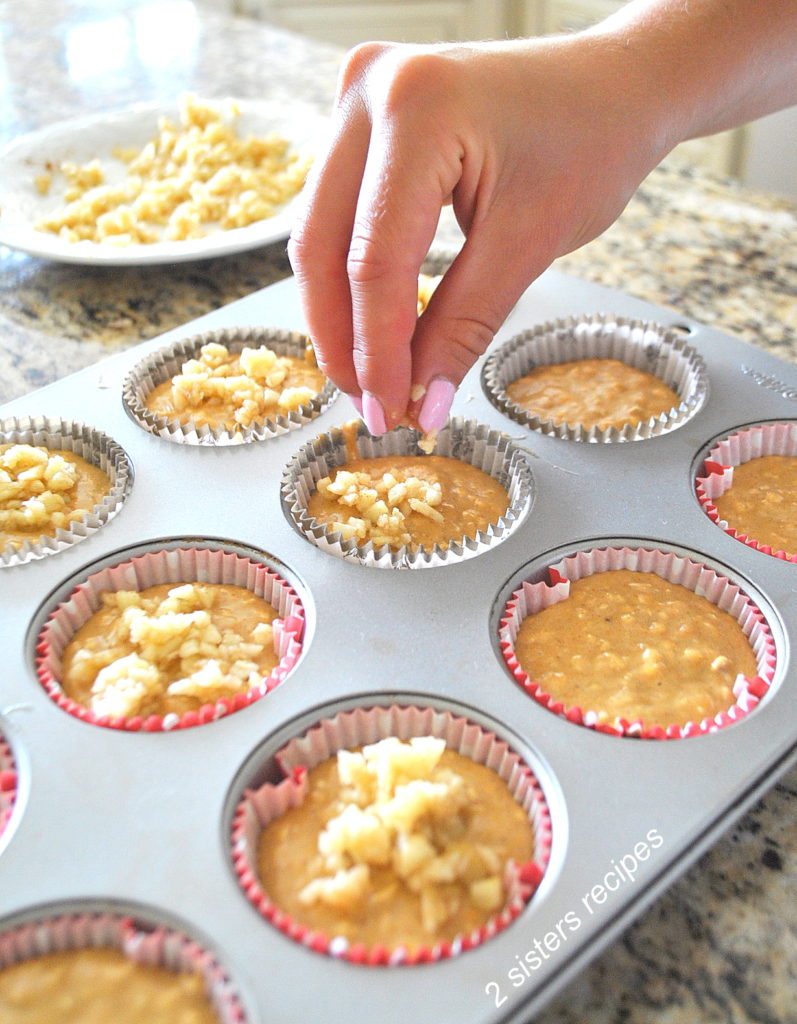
[96,136]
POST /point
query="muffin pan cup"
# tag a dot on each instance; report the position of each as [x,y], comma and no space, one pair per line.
[109,817]
[92,445]
[644,345]
[258,807]
[716,475]
[161,366]
[8,784]
[141,943]
[186,564]
[534,597]
[469,442]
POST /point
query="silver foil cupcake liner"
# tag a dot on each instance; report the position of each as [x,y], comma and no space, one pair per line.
[471,442]
[735,450]
[532,597]
[161,366]
[641,344]
[93,446]
[176,565]
[366,725]
[155,946]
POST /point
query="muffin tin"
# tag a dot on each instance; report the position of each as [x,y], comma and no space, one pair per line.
[136,822]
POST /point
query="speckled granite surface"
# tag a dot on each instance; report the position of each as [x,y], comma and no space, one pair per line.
[721,946]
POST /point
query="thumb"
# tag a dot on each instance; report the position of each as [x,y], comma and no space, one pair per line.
[467,308]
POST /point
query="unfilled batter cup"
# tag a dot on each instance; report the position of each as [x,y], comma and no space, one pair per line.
[353,729]
[465,440]
[173,566]
[533,597]
[640,344]
[144,946]
[167,363]
[92,445]
[717,477]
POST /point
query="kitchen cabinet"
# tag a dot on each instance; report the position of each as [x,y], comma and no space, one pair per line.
[417,21]
[412,21]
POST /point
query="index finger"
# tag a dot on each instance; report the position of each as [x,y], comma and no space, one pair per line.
[411,169]
[319,243]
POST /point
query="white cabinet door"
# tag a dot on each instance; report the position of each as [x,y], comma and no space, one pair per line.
[417,21]
[543,17]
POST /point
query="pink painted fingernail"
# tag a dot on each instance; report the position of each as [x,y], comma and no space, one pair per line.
[436,404]
[373,414]
[357,402]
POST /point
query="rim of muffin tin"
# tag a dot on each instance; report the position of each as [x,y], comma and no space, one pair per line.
[714,474]
[273,780]
[722,586]
[469,441]
[170,560]
[92,445]
[642,344]
[161,366]
[141,935]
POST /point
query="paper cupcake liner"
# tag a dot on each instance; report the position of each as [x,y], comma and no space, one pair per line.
[466,440]
[166,363]
[734,450]
[153,947]
[8,784]
[93,446]
[178,565]
[348,729]
[533,597]
[641,344]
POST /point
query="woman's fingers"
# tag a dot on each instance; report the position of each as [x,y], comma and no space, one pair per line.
[466,310]
[319,244]
[372,209]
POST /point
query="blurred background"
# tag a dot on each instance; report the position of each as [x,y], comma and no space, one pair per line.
[762,155]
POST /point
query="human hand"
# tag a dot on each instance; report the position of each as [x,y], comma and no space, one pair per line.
[539,145]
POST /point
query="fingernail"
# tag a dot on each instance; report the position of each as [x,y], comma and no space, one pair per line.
[373,414]
[436,404]
[357,402]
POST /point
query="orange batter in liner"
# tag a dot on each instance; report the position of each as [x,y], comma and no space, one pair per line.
[762,501]
[409,855]
[100,986]
[592,392]
[169,648]
[43,490]
[407,500]
[224,390]
[631,645]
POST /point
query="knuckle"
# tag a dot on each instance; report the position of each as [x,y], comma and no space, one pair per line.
[357,63]
[367,261]
[460,342]
[415,75]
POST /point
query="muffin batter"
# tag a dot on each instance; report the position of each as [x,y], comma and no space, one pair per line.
[631,645]
[396,844]
[762,501]
[592,392]
[169,648]
[43,490]
[406,500]
[224,390]
[97,986]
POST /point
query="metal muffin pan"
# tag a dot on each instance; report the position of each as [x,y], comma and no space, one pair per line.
[140,822]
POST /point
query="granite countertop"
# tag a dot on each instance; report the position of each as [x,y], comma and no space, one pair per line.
[721,946]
